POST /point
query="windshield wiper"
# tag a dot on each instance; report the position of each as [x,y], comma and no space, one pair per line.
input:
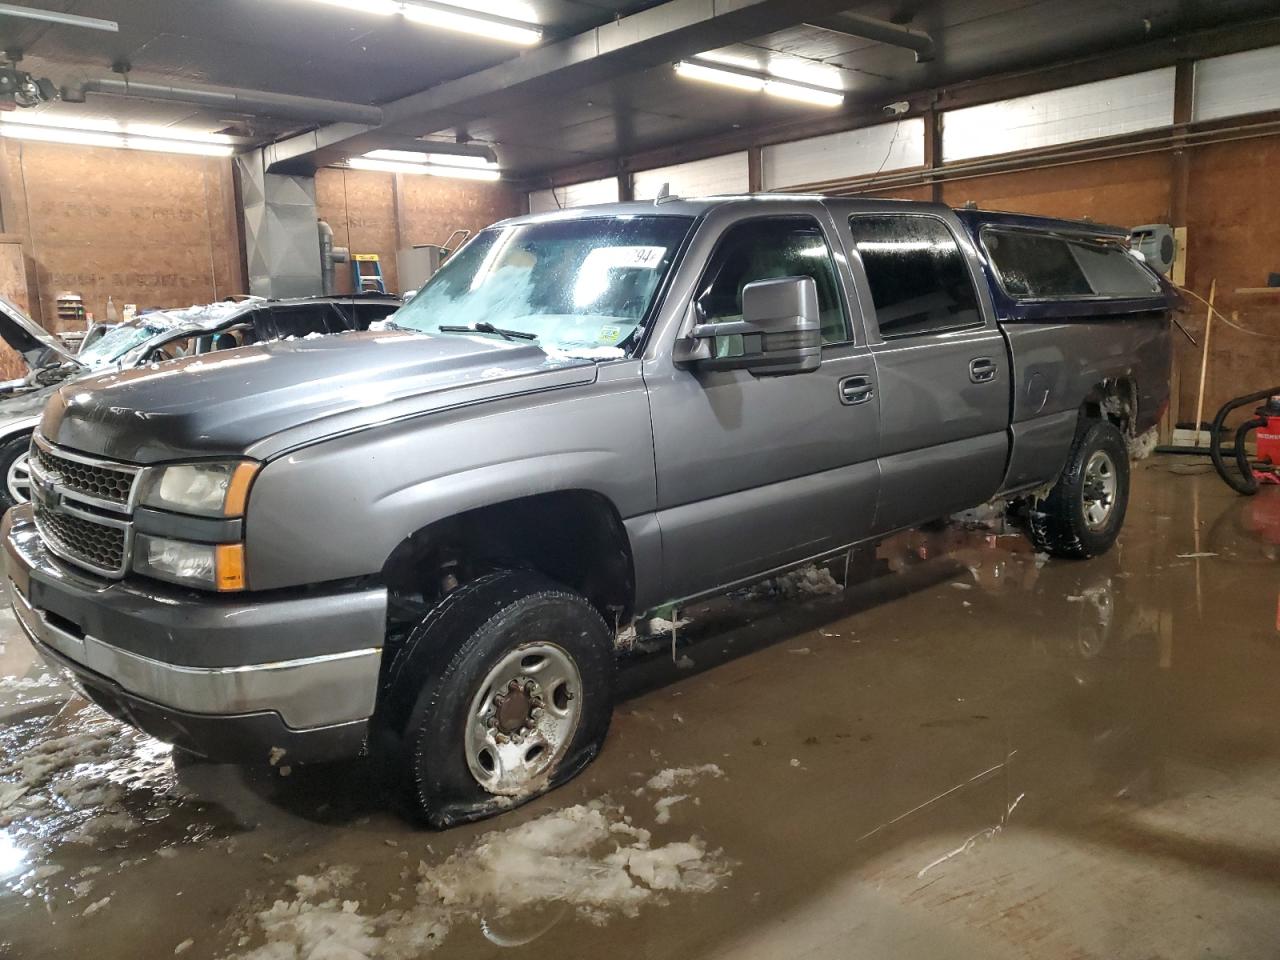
[485,326]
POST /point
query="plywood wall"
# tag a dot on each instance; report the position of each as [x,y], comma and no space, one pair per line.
[374,212]
[1127,191]
[1233,214]
[158,230]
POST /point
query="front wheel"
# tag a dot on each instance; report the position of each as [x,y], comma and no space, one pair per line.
[1083,513]
[14,469]
[502,692]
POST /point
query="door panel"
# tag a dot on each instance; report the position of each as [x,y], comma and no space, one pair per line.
[754,472]
[757,471]
[942,367]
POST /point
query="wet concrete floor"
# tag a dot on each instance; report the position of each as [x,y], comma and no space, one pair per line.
[968,753]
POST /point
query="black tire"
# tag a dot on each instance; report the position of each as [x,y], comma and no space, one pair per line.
[9,452]
[437,673]
[1057,524]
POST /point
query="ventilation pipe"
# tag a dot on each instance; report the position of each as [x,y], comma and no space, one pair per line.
[880,31]
[330,257]
[232,100]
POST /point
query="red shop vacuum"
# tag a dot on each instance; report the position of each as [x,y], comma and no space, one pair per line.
[1250,475]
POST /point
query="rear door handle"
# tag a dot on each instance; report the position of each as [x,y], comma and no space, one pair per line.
[855,390]
[982,370]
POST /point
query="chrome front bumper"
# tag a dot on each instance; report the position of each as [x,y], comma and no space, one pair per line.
[310,692]
[223,676]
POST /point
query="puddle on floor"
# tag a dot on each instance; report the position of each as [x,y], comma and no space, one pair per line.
[970,752]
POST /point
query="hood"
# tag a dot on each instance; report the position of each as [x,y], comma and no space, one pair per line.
[37,346]
[224,403]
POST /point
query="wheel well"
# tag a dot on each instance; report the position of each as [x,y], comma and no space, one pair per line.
[574,537]
[1114,399]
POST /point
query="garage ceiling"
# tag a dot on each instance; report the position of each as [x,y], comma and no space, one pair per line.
[304,48]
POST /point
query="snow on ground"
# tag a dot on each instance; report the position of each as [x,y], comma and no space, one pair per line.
[589,858]
[70,782]
[674,777]
[808,581]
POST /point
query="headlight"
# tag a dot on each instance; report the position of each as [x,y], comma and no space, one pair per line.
[204,489]
[209,566]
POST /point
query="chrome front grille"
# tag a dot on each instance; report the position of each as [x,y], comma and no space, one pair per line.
[83,507]
[97,480]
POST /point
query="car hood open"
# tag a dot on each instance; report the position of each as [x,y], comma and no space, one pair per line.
[222,405]
[37,346]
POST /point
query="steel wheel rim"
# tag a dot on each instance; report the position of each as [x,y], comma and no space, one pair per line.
[17,479]
[1099,493]
[523,718]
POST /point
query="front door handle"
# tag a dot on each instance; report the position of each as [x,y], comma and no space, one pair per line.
[855,390]
[982,370]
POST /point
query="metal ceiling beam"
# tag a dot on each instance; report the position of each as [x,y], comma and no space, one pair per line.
[880,31]
[58,17]
[663,34]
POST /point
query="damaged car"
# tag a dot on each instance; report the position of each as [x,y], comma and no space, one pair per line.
[150,338]
[423,541]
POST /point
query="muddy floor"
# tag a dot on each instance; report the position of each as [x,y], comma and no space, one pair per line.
[969,752]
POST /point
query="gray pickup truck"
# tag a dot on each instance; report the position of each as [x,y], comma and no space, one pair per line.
[423,540]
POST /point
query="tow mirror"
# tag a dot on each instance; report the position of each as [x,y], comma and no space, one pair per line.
[780,331]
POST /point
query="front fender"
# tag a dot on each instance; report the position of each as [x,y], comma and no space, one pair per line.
[338,508]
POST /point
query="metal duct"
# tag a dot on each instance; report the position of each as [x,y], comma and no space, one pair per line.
[880,31]
[232,100]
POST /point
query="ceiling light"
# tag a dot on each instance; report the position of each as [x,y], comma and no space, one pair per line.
[108,125]
[96,138]
[432,169]
[443,159]
[743,79]
[447,16]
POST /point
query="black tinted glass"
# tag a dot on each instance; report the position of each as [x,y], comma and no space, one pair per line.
[918,276]
[1034,265]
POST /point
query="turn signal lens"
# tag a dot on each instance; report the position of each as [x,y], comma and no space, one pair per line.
[230,565]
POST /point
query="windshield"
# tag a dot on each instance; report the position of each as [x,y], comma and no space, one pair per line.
[580,287]
[115,343]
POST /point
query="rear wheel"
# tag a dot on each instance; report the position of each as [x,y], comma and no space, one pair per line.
[500,693]
[1084,512]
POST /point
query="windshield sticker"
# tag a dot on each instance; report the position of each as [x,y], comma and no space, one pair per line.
[610,334]
[634,258]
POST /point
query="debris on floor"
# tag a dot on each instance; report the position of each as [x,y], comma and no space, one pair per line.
[807,581]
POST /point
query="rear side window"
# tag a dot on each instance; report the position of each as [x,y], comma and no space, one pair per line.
[918,276]
[1113,271]
[1037,266]
[300,320]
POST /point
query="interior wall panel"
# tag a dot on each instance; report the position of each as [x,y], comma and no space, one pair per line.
[1126,191]
[574,195]
[147,228]
[1240,83]
[1140,101]
[869,150]
[700,178]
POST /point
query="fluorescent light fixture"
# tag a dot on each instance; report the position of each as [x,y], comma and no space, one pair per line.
[742,79]
[447,16]
[431,169]
[441,159]
[92,138]
[108,125]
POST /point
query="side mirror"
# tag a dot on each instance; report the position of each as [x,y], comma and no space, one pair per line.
[780,331]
